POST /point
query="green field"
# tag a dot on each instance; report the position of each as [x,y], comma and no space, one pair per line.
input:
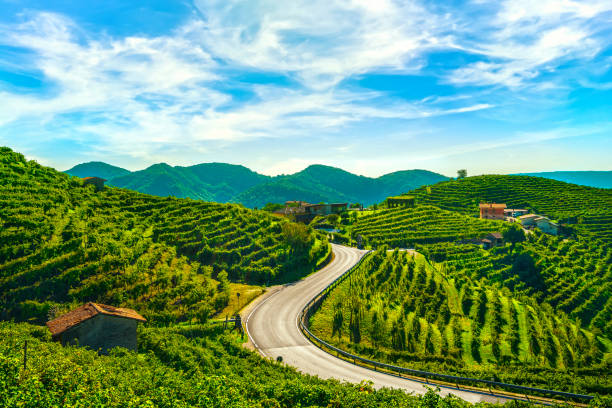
[400,309]
[62,244]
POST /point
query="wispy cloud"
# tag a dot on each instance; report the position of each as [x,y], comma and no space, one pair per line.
[152,95]
[525,39]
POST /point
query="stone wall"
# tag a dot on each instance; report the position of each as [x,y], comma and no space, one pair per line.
[102,333]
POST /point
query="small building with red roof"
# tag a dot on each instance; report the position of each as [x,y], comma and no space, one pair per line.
[97,326]
[492,211]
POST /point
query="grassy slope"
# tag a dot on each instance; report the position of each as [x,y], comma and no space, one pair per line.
[62,243]
[398,299]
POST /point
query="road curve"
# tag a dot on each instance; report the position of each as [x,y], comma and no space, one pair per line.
[272,326]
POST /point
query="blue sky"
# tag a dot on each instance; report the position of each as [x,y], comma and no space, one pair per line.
[370,86]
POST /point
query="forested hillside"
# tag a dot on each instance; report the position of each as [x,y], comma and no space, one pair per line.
[217,182]
[400,309]
[221,182]
[97,169]
[319,183]
[62,242]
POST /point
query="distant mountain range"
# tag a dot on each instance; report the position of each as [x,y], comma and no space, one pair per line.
[223,182]
[599,179]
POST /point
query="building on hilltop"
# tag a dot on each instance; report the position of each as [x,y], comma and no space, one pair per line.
[400,201]
[325,209]
[492,211]
[305,212]
[99,327]
[97,182]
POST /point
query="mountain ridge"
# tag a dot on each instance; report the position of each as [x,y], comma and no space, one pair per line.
[223,182]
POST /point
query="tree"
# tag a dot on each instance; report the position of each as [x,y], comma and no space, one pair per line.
[513,235]
[338,320]
[333,219]
[298,237]
[461,173]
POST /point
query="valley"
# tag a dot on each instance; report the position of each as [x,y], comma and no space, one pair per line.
[533,310]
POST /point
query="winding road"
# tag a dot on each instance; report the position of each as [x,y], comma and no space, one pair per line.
[272,326]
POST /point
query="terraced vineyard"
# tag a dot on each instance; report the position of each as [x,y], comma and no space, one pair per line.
[590,209]
[400,309]
[63,243]
[405,227]
[572,276]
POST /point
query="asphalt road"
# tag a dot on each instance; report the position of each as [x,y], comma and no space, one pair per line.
[272,326]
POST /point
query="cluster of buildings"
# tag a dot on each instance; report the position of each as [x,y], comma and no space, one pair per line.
[496,211]
[302,211]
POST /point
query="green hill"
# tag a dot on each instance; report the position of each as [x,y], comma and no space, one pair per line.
[573,275]
[599,179]
[221,182]
[97,169]
[62,244]
[586,209]
[402,310]
[218,182]
[319,183]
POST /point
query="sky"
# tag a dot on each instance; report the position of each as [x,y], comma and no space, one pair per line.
[372,87]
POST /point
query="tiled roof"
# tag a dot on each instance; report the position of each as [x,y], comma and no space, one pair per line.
[87,311]
[496,235]
[94,178]
[492,205]
[522,217]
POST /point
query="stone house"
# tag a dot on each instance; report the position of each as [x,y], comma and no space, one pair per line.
[492,240]
[99,327]
[97,182]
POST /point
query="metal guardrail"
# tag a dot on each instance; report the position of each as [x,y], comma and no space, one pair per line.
[313,305]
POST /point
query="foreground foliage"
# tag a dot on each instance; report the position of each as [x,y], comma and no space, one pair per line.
[397,309]
[176,367]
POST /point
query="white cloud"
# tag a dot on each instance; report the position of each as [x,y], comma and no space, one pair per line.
[150,95]
[525,39]
[321,42]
